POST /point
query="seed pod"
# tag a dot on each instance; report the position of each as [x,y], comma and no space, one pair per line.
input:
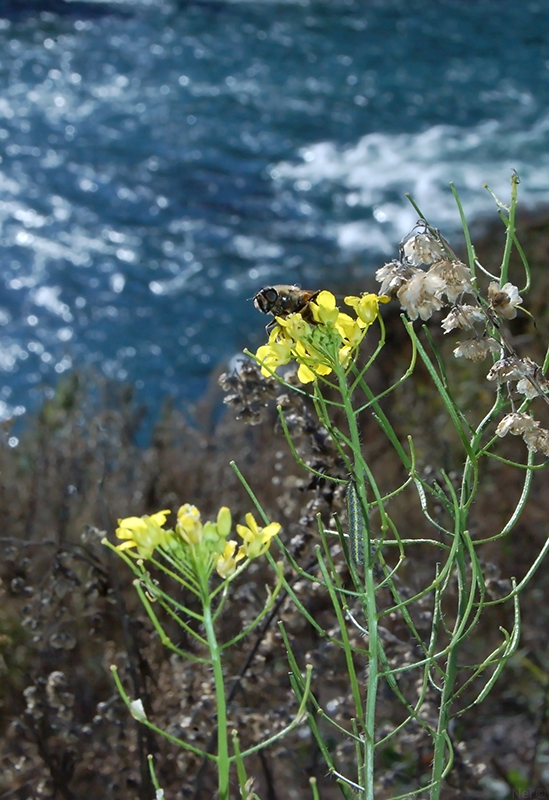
[355,521]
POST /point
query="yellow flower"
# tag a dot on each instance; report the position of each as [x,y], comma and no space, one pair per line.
[345,354]
[310,363]
[324,308]
[227,561]
[256,539]
[144,533]
[274,354]
[188,525]
[202,547]
[224,521]
[366,307]
[294,326]
[305,375]
[350,329]
[319,347]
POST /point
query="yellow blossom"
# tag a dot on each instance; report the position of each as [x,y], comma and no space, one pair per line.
[318,347]
[274,354]
[366,307]
[144,533]
[350,329]
[227,561]
[224,521]
[188,525]
[295,327]
[345,354]
[310,363]
[306,375]
[256,539]
[324,308]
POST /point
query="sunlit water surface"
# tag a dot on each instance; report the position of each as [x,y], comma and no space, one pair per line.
[161,161]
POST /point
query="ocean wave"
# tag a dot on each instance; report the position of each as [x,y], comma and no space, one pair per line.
[373,176]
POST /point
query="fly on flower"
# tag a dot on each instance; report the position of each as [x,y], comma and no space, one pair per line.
[284,299]
[329,339]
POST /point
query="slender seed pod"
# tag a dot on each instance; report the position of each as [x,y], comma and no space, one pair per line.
[355,521]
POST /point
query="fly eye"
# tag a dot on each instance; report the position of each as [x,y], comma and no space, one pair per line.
[270,294]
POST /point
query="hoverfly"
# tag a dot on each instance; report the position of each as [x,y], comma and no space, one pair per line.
[284,299]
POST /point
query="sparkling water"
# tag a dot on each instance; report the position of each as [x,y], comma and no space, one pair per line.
[161,161]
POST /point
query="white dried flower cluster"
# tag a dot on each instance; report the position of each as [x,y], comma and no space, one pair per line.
[477,349]
[504,300]
[393,276]
[423,248]
[464,317]
[427,276]
[528,375]
[519,424]
[531,383]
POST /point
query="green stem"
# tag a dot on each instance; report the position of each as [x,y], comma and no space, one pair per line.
[367,778]
[373,681]
[222,731]
[510,231]
[441,741]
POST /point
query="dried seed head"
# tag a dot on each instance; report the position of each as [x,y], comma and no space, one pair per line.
[420,296]
[504,300]
[57,691]
[476,349]
[248,391]
[537,440]
[517,424]
[464,317]
[423,248]
[530,379]
[456,276]
[507,369]
[393,276]
[533,383]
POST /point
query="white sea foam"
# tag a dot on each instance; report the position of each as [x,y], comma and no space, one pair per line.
[377,172]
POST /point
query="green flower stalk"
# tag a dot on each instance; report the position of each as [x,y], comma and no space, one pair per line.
[189,553]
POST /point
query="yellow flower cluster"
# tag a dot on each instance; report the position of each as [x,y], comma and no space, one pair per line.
[330,339]
[197,542]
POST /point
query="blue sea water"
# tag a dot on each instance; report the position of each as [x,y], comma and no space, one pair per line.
[162,160]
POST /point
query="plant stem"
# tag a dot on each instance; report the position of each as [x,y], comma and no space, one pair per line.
[222,733]
[367,778]
[373,680]
[441,740]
